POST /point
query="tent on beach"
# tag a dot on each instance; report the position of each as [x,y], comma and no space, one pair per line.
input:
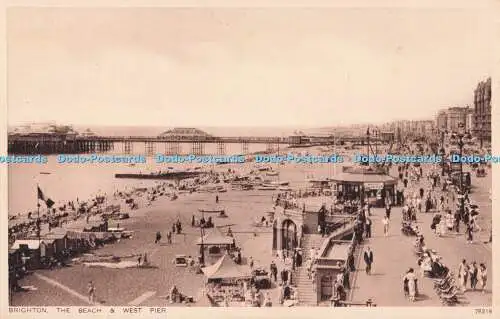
[226,269]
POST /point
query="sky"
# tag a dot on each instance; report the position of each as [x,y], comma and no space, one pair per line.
[242,67]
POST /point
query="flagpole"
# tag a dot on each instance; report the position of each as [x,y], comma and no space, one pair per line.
[38,213]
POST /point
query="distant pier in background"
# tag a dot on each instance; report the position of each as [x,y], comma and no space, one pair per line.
[53,143]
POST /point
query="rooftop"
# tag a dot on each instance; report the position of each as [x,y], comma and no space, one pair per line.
[364,175]
[185,131]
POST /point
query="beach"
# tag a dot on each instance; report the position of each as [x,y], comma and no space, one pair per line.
[244,209]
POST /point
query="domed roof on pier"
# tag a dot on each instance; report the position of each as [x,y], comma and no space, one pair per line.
[185,132]
[87,132]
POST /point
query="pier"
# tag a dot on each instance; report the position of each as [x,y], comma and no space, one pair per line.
[70,144]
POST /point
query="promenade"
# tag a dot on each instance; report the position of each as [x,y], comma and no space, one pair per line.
[393,256]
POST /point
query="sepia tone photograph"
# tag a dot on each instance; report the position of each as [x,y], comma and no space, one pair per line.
[249,157]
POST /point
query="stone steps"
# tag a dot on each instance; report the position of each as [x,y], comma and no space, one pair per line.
[307,295]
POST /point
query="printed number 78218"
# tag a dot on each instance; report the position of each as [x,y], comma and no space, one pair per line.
[483,311]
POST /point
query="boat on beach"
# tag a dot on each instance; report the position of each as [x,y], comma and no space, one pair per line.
[212,189]
[120,232]
[163,175]
[280,183]
[267,187]
[243,187]
[275,183]
[263,168]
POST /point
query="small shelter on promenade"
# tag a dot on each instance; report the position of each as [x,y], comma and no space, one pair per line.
[365,183]
[215,244]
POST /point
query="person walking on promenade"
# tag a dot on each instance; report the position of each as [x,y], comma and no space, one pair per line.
[411,280]
[298,259]
[469,233]
[308,266]
[216,199]
[457,221]
[179,226]
[284,277]
[91,292]
[158,237]
[368,257]
[267,300]
[385,221]
[312,254]
[463,273]
[346,279]
[368,228]
[169,237]
[350,260]
[406,290]
[274,271]
[388,211]
[482,276]
[473,272]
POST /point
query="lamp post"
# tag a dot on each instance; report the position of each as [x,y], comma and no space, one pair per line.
[460,137]
[202,247]
[481,135]
[462,200]
[368,141]
[443,153]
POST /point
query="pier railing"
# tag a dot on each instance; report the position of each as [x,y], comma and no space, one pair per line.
[47,143]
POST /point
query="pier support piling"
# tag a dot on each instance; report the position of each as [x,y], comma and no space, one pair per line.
[127,147]
[197,148]
[244,147]
[271,147]
[150,148]
[221,148]
[173,148]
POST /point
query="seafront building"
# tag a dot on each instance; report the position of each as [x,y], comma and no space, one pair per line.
[482,110]
[476,119]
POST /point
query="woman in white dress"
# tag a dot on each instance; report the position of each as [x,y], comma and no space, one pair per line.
[449,221]
[385,222]
[412,288]
[482,275]
[442,227]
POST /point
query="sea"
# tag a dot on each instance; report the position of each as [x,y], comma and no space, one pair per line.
[66,182]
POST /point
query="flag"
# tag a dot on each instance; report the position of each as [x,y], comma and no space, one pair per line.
[49,202]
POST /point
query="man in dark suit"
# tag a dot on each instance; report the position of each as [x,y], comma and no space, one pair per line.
[368,227]
[368,256]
